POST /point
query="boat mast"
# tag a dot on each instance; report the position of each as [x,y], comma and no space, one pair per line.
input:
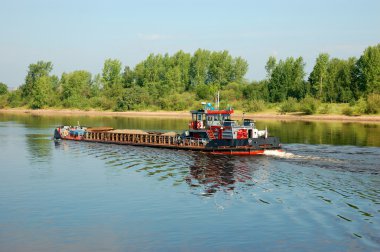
[218,101]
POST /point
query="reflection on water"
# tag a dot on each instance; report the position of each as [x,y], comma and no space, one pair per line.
[62,195]
[335,133]
[207,174]
[39,147]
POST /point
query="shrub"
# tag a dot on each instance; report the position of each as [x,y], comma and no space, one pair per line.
[373,103]
[15,100]
[309,105]
[203,92]
[290,105]
[325,109]
[348,111]
[177,102]
[254,105]
[360,107]
[3,101]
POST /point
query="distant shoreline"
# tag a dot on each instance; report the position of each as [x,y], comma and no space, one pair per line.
[186,114]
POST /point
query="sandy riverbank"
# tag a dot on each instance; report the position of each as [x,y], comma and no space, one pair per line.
[186,114]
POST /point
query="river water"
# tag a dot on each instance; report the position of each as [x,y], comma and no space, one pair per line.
[321,194]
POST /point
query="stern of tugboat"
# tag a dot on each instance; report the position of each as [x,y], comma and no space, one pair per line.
[57,134]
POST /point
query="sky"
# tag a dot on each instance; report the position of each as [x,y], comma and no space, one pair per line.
[81,35]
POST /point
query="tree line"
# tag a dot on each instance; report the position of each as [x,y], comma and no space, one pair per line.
[181,80]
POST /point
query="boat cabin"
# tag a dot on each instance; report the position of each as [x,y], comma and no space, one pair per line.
[209,123]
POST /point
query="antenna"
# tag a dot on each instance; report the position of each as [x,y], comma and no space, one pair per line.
[218,101]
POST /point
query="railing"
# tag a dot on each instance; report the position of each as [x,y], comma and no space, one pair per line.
[132,138]
[144,139]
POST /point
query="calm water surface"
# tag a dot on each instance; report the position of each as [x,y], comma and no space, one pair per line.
[321,194]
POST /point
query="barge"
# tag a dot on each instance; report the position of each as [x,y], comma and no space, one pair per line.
[210,130]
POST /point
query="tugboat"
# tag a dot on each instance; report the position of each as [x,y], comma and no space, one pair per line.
[210,130]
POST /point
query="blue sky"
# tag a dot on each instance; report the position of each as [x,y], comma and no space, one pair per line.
[80,35]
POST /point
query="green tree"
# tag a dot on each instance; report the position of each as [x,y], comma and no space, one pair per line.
[287,80]
[112,81]
[111,73]
[220,68]
[368,70]
[338,81]
[239,69]
[3,88]
[133,98]
[128,77]
[76,88]
[181,61]
[318,75]
[270,65]
[256,91]
[42,93]
[36,71]
[199,67]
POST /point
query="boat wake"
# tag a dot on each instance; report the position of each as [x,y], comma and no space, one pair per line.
[288,155]
[279,153]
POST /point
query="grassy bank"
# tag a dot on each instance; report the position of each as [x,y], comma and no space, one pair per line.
[270,114]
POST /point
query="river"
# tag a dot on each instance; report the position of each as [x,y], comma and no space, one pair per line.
[321,194]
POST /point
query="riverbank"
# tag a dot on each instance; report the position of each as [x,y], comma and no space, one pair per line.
[186,114]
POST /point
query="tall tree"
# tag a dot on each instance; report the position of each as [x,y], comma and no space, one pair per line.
[112,79]
[318,75]
[368,70]
[181,60]
[75,87]
[220,68]
[42,93]
[128,77]
[287,80]
[111,74]
[239,69]
[270,65]
[36,71]
[3,88]
[199,67]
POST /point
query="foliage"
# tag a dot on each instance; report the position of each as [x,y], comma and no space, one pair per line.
[15,99]
[75,89]
[289,105]
[3,88]
[338,81]
[324,109]
[347,110]
[254,105]
[178,81]
[367,72]
[41,95]
[177,102]
[3,101]
[287,80]
[309,105]
[133,98]
[36,71]
[318,75]
[373,103]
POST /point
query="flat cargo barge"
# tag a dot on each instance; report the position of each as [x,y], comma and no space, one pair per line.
[210,131]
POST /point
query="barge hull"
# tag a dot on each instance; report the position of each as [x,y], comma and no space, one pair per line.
[159,140]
